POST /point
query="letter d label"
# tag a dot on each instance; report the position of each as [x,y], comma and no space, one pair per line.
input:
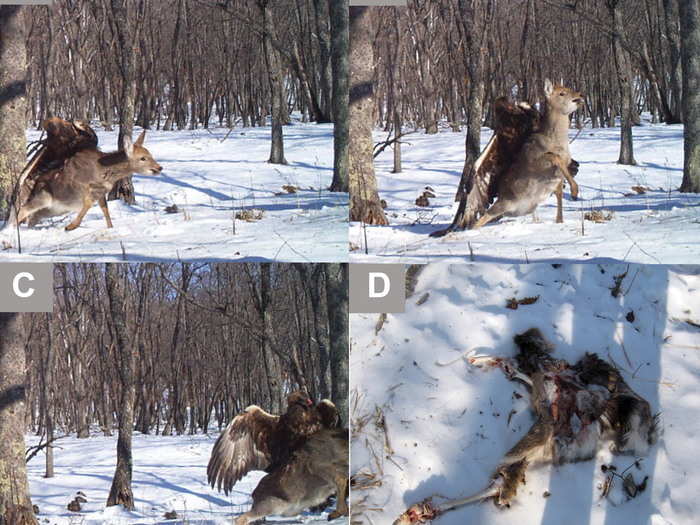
[374,279]
[377,288]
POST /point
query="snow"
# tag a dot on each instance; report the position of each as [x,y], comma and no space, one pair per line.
[448,427]
[210,176]
[661,225]
[170,473]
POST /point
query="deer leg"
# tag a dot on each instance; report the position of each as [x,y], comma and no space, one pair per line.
[504,482]
[566,170]
[493,213]
[566,173]
[341,506]
[511,473]
[38,202]
[24,213]
[105,210]
[87,204]
[572,184]
[244,519]
[250,516]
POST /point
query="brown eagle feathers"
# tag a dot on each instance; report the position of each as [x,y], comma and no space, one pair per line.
[257,440]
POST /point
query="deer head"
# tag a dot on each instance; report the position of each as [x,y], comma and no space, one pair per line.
[562,99]
[140,159]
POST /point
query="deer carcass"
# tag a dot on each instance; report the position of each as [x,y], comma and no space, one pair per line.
[577,409]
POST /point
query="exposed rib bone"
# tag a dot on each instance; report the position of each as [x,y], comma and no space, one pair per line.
[507,365]
[464,355]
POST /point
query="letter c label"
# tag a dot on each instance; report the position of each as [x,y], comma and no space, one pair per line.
[18,291]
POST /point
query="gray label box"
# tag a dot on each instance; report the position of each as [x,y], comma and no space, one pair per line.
[26,2]
[377,288]
[381,3]
[26,287]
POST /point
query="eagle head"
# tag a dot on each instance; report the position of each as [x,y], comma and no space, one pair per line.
[299,398]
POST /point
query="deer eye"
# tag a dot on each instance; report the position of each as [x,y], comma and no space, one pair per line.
[561,94]
[143,158]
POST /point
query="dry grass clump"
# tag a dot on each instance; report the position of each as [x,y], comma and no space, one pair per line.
[250,215]
[598,216]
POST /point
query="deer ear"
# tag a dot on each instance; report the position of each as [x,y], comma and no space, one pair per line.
[128,145]
[142,137]
[548,87]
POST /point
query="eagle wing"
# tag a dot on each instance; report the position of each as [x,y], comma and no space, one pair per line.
[243,446]
[63,140]
[513,125]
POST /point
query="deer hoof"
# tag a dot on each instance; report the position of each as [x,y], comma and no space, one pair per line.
[71,227]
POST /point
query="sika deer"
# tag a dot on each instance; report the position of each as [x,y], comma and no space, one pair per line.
[308,478]
[542,164]
[86,178]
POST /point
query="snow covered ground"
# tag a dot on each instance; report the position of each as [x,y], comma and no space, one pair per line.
[447,427]
[210,177]
[170,474]
[661,225]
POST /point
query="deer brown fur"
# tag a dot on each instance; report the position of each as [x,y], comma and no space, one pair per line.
[308,478]
[84,179]
[543,162]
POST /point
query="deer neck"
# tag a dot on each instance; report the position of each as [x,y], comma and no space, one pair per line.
[115,166]
[556,128]
[113,174]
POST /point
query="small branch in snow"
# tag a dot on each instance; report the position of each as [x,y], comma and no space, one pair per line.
[381,146]
[33,451]
[285,243]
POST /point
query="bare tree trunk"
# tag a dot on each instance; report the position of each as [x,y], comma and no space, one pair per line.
[46,378]
[311,276]
[15,503]
[476,49]
[340,37]
[623,63]
[394,75]
[689,12]
[120,492]
[127,39]
[670,20]
[13,91]
[274,68]
[397,144]
[365,205]
[321,13]
[337,283]
[268,343]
